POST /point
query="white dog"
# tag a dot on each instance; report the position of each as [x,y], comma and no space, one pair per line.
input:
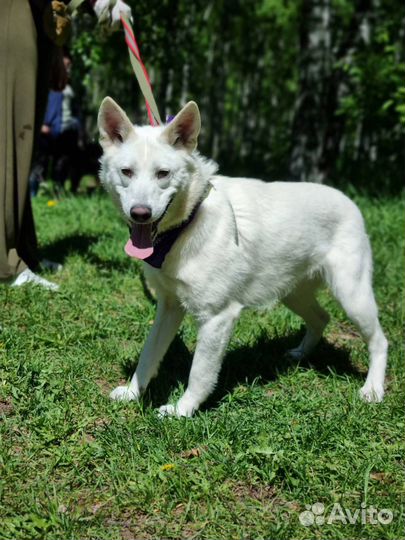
[213,245]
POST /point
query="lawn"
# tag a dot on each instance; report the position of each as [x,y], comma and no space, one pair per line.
[276,438]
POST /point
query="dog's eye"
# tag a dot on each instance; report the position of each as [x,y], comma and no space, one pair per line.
[127,172]
[163,173]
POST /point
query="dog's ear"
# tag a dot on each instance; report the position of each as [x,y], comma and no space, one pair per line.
[183,130]
[113,124]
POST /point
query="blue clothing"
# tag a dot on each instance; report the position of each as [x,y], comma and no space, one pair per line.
[53,115]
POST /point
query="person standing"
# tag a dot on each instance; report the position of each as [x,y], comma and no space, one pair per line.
[20,44]
[58,142]
[26,55]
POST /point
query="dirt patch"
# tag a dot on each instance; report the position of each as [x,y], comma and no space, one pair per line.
[343,334]
[134,525]
[140,525]
[101,423]
[262,493]
[105,386]
[6,406]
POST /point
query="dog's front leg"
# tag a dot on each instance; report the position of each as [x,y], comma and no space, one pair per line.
[213,337]
[169,315]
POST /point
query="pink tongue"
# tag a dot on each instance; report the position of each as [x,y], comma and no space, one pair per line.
[140,244]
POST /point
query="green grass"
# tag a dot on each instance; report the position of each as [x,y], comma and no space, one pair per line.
[275,437]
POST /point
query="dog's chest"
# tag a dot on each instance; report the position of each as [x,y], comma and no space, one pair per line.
[167,283]
[191,289]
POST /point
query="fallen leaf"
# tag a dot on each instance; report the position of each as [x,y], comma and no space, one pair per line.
[380,476]
[194,452]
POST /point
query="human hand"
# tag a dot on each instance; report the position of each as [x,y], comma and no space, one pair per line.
[109,12]
[120,8]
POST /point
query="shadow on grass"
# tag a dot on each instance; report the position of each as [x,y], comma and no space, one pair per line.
[267,359]
[81,244]
[59,250]
[119,265]
[264,362]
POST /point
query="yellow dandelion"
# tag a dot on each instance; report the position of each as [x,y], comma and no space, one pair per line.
[52,203]
[167,467]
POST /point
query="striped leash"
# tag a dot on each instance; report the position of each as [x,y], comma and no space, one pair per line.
[138,66]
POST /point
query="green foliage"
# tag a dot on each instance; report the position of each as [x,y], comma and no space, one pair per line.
[247,64]
[375,100]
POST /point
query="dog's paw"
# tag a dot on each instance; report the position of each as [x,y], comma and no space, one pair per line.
[373,393]
[179,410]
[167,410]
[124,393]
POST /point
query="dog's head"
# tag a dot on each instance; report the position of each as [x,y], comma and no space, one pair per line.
[145,168]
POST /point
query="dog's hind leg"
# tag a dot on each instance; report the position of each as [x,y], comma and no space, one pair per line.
[349,276]
[169,315]
[303,302]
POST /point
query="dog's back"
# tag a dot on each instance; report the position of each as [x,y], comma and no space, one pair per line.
[256,241]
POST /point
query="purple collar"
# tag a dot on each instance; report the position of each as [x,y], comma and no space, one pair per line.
[164,241]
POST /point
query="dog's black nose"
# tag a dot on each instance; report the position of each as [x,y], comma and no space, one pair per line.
[140,213]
